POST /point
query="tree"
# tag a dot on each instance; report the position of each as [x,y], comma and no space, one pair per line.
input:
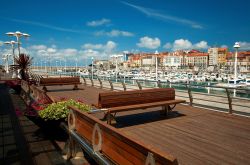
[23,62]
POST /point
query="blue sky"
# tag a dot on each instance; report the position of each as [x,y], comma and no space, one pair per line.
[77,30]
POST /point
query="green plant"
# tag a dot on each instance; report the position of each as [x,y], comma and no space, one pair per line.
[59,110]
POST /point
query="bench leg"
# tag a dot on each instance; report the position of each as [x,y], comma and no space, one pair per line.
[166,109]
[109,117]
[45,89]
[75,87]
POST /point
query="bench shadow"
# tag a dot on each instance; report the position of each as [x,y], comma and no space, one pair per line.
[127,120]
[63,90]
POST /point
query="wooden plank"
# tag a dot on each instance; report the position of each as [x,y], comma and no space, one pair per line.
[121,98]
[144,105]
[138,147]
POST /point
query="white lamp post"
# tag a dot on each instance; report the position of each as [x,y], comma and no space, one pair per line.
[6,61]
[92,67]
[76,65]
[41,65]
[12,43]
[156,65]
[56,66]
[45,65]
[236,46]
[18,35]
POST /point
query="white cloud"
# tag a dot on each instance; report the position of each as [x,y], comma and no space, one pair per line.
[150,43]
[109,46]
[69,51]
[100,51]
[38,47]
[244,45]
[201,45]
[51,50]
[167,46]
[101,22]
[1,43]
[39,24]
[184,44]
[114,33]
[224,46]
[165,17]
[92,46]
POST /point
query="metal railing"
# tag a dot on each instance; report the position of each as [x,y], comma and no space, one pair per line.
[207,96]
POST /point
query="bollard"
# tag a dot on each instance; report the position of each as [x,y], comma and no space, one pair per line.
[124,86]
[85,82]
[92,82]
[230,110]
[111,85]
[138,84]
[100,81]
[190,95]
[159,84]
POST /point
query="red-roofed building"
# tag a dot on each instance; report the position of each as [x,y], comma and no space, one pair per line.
[243,60]
[198,59]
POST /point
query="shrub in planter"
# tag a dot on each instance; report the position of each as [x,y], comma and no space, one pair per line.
[59,110]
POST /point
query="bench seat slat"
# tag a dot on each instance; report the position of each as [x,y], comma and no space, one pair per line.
[144,105]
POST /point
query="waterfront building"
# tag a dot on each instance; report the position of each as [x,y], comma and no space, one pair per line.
[134,60]
[102,64]
[197,58]
[243,58]
[173,59]
[147,60]
[213,56]
[222,56]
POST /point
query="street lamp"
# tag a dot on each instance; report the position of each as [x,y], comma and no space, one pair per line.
[92,67]
[76,65]
[56,66]
[6,61]
[156,65]
[236,46]
[18,35]
[12,43]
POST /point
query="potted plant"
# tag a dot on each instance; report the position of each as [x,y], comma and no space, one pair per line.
[59,110]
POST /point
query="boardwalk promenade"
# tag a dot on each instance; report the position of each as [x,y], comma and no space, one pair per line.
[193,135]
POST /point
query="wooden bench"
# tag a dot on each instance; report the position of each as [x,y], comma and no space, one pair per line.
[103,141]
[113,102]
[60,81]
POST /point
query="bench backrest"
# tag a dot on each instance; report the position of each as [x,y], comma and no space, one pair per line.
[123,98]
[55,80]
[116,145]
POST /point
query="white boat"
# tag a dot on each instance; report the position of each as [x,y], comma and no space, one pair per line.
[239,83]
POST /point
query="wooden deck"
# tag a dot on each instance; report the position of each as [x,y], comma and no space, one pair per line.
[193,135]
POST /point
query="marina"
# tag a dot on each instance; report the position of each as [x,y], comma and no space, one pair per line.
[182,132]
[124,82]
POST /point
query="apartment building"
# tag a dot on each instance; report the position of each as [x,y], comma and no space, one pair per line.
[243,60]
[198,59]
[213,56]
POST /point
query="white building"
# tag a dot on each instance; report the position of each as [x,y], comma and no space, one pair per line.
[213,56]
[117,57]
[172,60]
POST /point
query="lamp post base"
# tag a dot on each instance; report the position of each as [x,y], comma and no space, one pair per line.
[14,75]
